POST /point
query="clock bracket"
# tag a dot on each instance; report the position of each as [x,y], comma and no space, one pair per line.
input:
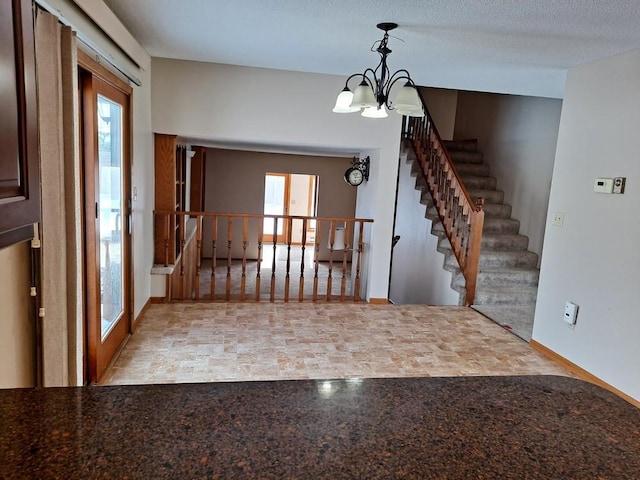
[362,165]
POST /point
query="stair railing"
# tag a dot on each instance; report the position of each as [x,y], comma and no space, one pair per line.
[462,218]
[254,257]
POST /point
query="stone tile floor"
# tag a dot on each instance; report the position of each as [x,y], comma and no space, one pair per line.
[210,342]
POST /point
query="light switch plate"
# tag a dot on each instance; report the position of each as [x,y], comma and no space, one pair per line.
[570,313]
[603,185]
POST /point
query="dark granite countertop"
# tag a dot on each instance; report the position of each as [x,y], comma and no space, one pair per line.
[540,427]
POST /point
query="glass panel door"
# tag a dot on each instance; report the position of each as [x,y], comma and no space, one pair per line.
[111,220]
[106,171]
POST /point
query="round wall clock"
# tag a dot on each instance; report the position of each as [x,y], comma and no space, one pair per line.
[354,176]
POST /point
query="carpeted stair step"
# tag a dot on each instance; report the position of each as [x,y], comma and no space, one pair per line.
[460,157]
[500,225]
[416,170]
[490,196]
[498,242]
[505,295]
[479,183]
[465,145]
[421,183]
[494,210]
[432,214]
[477,169]
[502,277]
[498,259]
[425,197]
[497,210]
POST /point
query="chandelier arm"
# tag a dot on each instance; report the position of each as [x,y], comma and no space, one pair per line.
[372,83]
[406,76]
[364,77]
[346,83]
[393,81]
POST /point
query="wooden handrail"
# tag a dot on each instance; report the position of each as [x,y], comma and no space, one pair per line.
[461,216]
[247,245]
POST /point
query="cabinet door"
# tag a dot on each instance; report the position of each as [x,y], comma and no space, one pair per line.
[19,189]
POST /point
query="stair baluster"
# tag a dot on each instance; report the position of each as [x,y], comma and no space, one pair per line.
[461,216]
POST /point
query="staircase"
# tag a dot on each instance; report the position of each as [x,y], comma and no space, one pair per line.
[508,276]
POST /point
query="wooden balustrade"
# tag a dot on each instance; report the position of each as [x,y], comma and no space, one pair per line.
[462,217]
[261,265]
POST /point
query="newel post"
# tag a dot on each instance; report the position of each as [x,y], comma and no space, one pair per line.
[473,255]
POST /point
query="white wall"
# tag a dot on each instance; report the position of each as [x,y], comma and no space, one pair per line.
[143,185]
[594,259]
[252,105]
[418,276]
[518,137]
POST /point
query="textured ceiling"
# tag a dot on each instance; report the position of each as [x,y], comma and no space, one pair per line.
[510,46]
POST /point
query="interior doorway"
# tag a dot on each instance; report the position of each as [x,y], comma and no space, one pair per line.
[290,194]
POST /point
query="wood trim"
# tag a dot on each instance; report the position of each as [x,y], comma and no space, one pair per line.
[196,201]
[581,372]
[379,301]
[113,360]
[89,63]
[260,215]
[90,281]
[166,162]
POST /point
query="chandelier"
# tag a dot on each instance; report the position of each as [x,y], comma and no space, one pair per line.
[372,94]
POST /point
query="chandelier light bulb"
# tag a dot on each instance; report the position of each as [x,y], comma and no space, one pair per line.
[343,102]
[375,112]
[408,99]
[410,113]
[364,97]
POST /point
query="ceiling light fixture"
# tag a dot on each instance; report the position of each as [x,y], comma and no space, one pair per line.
[372,94]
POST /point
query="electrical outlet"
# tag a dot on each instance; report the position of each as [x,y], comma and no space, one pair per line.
[558,219]
[618,184]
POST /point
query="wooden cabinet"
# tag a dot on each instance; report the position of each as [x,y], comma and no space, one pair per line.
[19,165]
[170,194]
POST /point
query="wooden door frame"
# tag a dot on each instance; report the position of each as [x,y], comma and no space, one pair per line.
[88,70]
